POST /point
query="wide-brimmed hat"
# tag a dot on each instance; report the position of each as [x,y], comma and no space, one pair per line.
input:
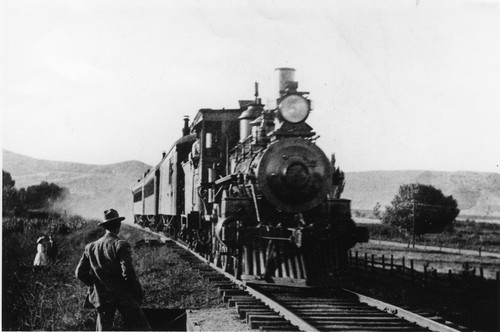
[40,239]
[109,216]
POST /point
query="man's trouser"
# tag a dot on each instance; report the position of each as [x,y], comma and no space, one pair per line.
[133,317]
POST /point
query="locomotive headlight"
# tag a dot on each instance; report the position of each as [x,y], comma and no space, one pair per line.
[294,108]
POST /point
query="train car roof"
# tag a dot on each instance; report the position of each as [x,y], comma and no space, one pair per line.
[183,140]
[208,114]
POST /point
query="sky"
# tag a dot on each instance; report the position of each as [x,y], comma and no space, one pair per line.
[395,84]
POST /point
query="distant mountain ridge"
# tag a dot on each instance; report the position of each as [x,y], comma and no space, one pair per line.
[477,193]
[94,188]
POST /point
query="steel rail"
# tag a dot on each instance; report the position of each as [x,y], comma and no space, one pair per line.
[403,313]
[287,314]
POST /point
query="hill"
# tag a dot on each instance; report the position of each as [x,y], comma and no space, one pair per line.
[477,194]
[94,188]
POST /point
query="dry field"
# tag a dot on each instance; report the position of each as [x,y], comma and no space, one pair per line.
[442,262]
[51,299]
[463,299]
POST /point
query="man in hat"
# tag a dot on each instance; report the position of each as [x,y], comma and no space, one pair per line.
[106,267]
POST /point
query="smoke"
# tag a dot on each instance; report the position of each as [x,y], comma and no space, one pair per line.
[92,206]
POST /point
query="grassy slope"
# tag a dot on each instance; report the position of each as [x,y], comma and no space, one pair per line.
[52,299]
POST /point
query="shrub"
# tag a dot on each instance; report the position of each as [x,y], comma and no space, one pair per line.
[419,209]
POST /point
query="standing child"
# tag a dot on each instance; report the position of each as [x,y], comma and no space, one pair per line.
[41,257]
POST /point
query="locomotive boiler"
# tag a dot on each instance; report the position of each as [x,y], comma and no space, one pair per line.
[248,189]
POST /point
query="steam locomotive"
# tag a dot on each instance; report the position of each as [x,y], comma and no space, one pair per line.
[249,190]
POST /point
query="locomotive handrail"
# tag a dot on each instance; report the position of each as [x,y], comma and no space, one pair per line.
[226,179]
[240,144]
[254,197]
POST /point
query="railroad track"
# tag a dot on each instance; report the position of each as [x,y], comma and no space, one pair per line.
[270,308]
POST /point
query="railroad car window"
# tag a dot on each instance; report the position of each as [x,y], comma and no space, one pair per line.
[138,196]
[149,188]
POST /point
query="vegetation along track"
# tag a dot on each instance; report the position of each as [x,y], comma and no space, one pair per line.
[270,308]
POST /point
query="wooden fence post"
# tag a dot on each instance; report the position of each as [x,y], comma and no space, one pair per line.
[411,269]
[356,261]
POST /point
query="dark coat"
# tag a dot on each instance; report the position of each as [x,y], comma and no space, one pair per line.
[106,267]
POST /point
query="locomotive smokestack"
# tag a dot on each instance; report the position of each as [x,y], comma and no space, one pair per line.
[185,130]
[285,75]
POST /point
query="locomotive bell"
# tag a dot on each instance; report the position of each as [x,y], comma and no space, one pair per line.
[294,175]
